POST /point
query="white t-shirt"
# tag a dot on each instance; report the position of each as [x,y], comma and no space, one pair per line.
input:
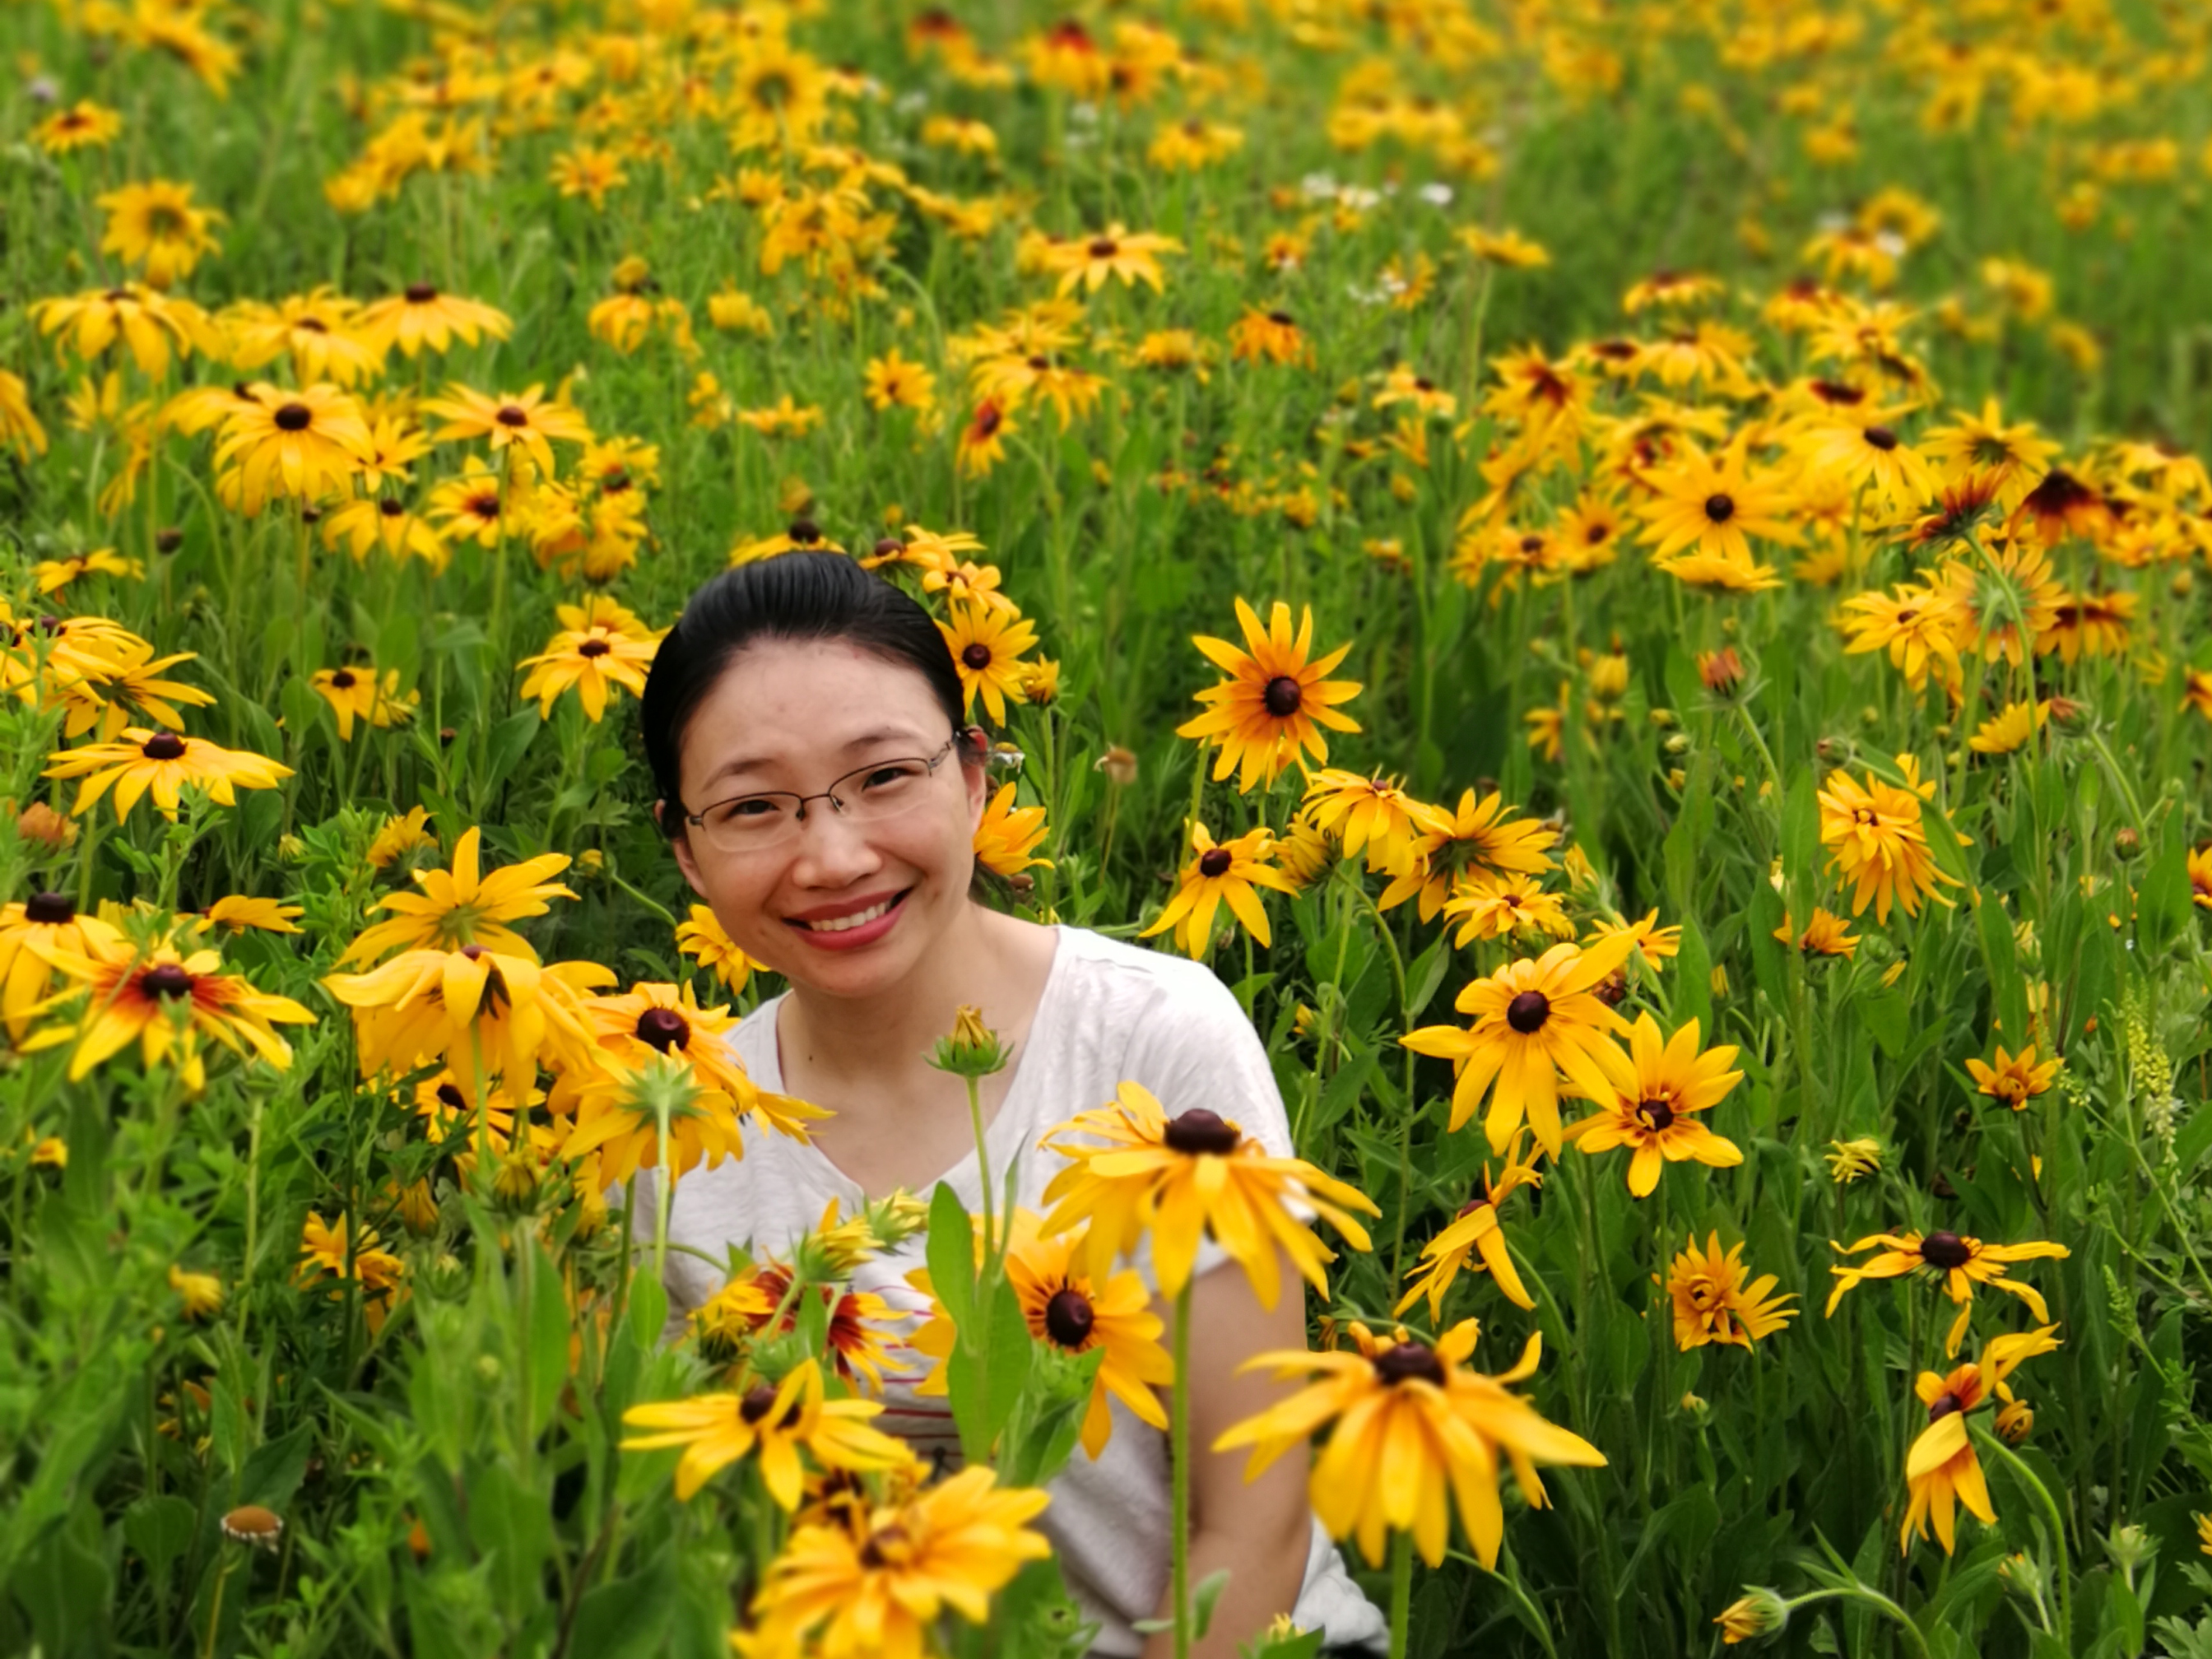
[1111,1012]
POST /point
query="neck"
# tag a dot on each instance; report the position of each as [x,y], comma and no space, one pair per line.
[893,1030]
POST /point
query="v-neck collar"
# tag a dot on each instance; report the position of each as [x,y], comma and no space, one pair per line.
[963,1178]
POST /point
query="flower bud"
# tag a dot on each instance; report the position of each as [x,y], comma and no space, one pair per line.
[1759,1611]
[973,1049]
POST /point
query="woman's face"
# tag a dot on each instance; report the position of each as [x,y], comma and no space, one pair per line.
[797,716]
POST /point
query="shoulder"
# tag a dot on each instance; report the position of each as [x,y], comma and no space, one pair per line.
[1170,1023]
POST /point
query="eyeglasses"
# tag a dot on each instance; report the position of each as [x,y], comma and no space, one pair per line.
[867,794]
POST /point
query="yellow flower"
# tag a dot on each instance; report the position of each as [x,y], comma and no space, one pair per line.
[1715,1299]
[877,1584]
[986,646]
[1481,836]
[202,1292]
[150,325]
[164,764]
[54,574]
[590,660]
[1474,1231]
[238,912]
[2014,1079]
[716,1429]
[462,907]
[1877,843]
[340,1252]
[2009,728]
[1825,935]
[1372,812]
[893,382]
[419,317]
[1226,872]
[1411,1425]
[165,1000]
[156,225]
[1940,1470]
[702,939]
[304,444]
[469,1008]
[1009,833]
[1533,1019]
[1958,1262]
[1848,1160]
[982,441]
[1654,943]
[1271,336]
[358,694]
[1655,1088]
[523,418]
[1132,255]
[1267,712]
[1077,1314]
[1701,506]
[1179,1178]
[1506,907]
[588,172]
[31,932]
[399,836]
[83,125]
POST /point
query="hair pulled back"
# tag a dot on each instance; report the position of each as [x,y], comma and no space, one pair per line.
[793,596]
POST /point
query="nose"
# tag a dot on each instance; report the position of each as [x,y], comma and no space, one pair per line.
[833,851]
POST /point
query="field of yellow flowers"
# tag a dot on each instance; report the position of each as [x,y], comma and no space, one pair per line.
[1628,574]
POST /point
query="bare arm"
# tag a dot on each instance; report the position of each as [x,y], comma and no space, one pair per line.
[1260,1532]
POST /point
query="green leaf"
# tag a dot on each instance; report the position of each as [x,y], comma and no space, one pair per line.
[1427,977]
[547,1337]
[510,739]
[160,1529]
[951,1254]
[275,1470]
[648,1309]
[627,1619]
[1202,1600]
[2164,903]
[988,1370]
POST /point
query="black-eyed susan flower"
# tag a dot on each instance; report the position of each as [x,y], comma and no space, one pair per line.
[359,693]
[1475,1240]
[419,317]
[1372,812]
[1657,1088]
[396,837]
[982,443]
[525,418]
[1134,1171]
[201,1293]
[1270,337]
[2013,1078]
[304,444]
[1851,1160]
[1700,505]
[237,912]
[591,659]
[1715,1298]
[156,225]
[702,937]
[1941,1469]
[1958,1262]
[1412,1429]
[2010,728]
[1480,835]
[1065,1307]
[1877,843]
[880,1580]
[164,765]
[1132,255]
[54,574]
[2007,599]
[314,331]
[468,1008]
[776,1421]
[154,327]
[1277,696]
[1532,1020]
[1923,629]
[31,932]
[464,905]
[1227,872]
[986,646]
[83,125]
[1827,935]
[1009,834]
[165,1001]
[1506,907]
[893,381]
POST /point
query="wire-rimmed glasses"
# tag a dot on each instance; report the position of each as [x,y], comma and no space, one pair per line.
[881,789]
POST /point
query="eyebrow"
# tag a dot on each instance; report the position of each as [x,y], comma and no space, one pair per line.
[866,740]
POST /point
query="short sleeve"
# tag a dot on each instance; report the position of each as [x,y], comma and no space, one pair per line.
[1194,1047]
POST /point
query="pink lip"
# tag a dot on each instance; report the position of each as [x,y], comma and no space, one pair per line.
[849,939]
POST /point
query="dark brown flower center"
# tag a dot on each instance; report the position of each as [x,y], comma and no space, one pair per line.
[50,908]
[977,656]
[593,648]
[1281,319]
[1881,438]
[1653,1114]
[342,679]
[664,1027]
[166,980]
[392,509]
[420,294]
[473,952]
[1407,1361]
[512,415]
[756,1403]
[1945,1250]
[1104,248]
[1283,697]
[1199,1130]
[885,1546]
[1527,1012]
[294,417]
[1945,1406]
[1720,508]
[805,531]
[163,746]
[1215,861]
[450,1097]
[1068,1317]
[889,547]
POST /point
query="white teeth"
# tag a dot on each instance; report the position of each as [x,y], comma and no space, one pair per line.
[855,920]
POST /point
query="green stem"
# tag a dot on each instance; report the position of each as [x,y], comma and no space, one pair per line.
[2029,1480]
[983,1174]
[1179,1464]
[1401,1590]
[1873,1598]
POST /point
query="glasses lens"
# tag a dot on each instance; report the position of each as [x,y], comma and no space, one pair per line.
[751,821]
[883,790]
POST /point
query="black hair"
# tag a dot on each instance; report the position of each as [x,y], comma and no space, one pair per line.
[793,596]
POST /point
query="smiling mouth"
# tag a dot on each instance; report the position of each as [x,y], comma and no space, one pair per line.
[858,919]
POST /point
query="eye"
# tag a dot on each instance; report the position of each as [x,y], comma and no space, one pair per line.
[893,775]
[746,809]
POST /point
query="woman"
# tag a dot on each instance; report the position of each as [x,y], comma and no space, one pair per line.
[821,789]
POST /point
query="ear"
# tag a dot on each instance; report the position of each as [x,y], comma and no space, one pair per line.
[680,844]
[975,773]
